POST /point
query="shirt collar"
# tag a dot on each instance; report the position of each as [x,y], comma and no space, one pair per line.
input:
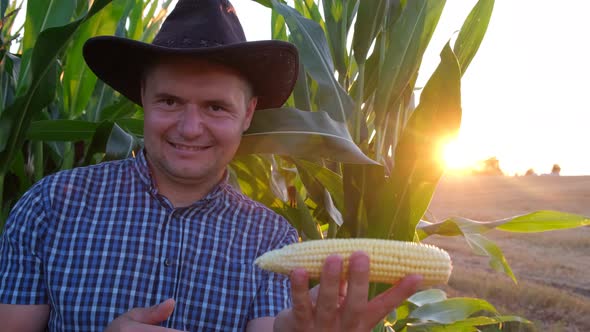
[145,175]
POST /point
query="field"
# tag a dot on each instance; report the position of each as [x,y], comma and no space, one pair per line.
[552,268]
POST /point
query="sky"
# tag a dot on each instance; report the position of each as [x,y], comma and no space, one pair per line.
[524,95]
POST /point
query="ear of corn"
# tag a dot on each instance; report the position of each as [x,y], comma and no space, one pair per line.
[389,260]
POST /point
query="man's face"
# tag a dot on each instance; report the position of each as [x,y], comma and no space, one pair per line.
[195,113]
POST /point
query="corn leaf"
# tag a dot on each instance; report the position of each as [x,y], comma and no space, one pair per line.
[315,55]
[78,80]
[369,21]
[254,178]
[61,130]
[428,296]
[289,131]
[120,144]
[408,38]
[539,221]
[132,126]
[338,16]
[472,32]
[472,231]
[301,94]
[320,195]
[471,324]
[485,247]
[41,15]
[451,310]
[417,168]
[16,119]
[327,178]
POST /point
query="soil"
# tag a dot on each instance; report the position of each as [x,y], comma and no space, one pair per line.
[552,268]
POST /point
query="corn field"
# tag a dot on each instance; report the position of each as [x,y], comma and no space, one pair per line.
[352,154]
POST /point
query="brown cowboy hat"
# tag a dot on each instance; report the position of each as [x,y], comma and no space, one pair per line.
[205,29]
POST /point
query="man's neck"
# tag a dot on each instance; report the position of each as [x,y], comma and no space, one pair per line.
[182,193]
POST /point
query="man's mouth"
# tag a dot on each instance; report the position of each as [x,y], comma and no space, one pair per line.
[189,147]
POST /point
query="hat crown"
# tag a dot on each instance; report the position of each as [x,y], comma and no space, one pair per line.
[200,23]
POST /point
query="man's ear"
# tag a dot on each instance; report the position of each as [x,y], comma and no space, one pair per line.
[249,112]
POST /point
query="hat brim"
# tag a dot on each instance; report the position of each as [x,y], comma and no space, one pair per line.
[271,66]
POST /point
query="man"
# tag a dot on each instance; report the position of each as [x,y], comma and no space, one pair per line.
[162,242]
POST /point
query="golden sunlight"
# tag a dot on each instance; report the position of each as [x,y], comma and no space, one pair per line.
[455,156]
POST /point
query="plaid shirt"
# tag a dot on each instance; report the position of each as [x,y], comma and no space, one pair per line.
[95,242]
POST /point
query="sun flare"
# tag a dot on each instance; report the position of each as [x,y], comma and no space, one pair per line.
[455,156]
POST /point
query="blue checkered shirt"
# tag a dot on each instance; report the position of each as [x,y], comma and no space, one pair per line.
[97,241]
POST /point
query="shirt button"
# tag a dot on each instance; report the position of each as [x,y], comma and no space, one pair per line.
[168,262]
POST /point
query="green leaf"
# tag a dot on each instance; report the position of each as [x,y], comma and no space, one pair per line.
[472,32]
[338,18]
[136,19]
[99,141]
[299,215]
[417,167]
[484,247]
[41,15]
[3,6]
[327,178]
[278,27]
[120,144]
[78,80]
[468,324]
[254,179]
[542,221]
[309,9]
[364,213]
[472,231]
[45,14]
[369,21]
[408,38]
[277,182]
[315,55]
[427,296]
[296,133]
[9,68]
[301,91]
[61,130]
[320,195]
[122,108]
[16,119]
[133,126]
[539,221]
[451,310]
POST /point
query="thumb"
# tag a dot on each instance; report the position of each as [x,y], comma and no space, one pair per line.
[152,315]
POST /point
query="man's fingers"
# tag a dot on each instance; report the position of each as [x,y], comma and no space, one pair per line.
[358,290]
[327,303]
[302,307]
[385,302]
[152,315]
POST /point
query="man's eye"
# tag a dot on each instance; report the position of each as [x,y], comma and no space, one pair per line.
[216,108]
[169,102]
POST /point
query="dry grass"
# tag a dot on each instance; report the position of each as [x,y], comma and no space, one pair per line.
[552,268]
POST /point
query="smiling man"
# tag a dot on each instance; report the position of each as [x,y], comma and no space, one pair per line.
[162,242]
[195,114]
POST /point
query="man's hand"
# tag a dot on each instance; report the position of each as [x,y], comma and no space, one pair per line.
[143,319]
[340,308]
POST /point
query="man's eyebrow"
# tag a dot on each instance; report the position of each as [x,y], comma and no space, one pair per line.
[220,101]
[164,95]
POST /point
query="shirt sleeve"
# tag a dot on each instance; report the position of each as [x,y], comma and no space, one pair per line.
[274,289]
[21,265]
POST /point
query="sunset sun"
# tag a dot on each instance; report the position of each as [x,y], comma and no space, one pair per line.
[455,156]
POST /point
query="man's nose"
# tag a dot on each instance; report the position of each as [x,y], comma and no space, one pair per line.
[191,123]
